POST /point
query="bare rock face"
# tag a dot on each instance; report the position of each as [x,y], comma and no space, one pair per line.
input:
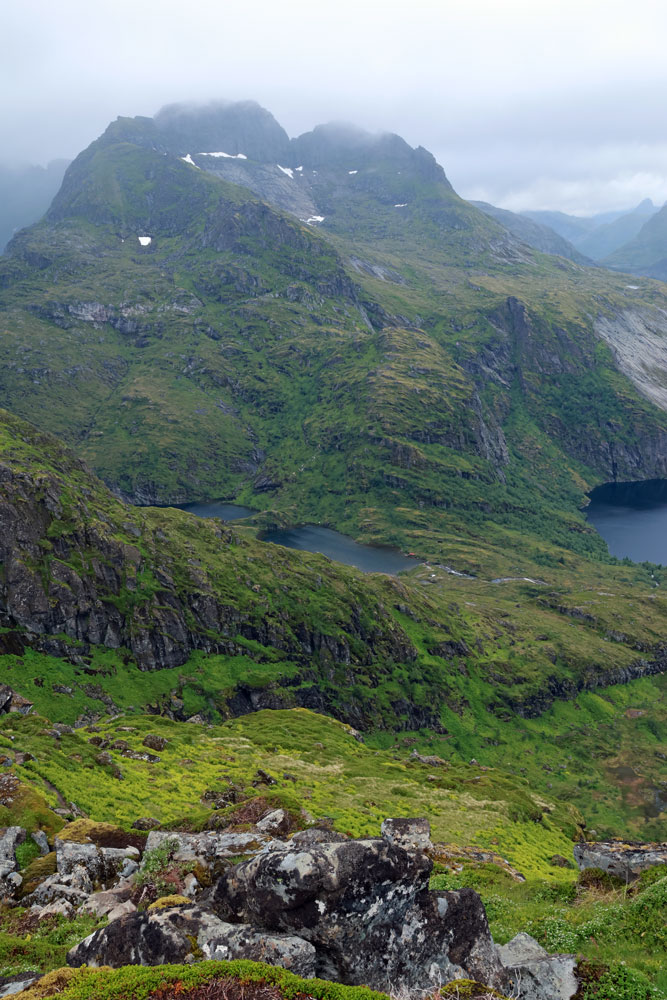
[625,860]
[366,908]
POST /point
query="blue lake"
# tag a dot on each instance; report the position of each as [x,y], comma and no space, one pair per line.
[632,519]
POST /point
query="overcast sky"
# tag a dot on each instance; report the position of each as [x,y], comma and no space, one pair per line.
[525,103]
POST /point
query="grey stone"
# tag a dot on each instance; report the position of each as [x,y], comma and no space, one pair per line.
[121,910]
[101,903]
[12,986]
[42,842]
[10,838]
[129,868]
[275,823]
[537,975]
[155,937]
[209,845]
[59,908]
[317,835]
[411,834]
[242,941]
[625,860]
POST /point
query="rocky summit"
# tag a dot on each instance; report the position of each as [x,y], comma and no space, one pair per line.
[235,768]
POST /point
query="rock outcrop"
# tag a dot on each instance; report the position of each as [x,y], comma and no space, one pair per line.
[622,859]
[366,908]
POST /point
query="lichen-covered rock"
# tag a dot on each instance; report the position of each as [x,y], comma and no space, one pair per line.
[209,845]
[156,937]
[276,823]
[412,834]
[102,903]
[242,941]
[10,881]
[102,864]
[625,860]
[366,907]
[537,975]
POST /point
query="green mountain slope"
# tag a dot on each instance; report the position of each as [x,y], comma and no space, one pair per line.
[398,366]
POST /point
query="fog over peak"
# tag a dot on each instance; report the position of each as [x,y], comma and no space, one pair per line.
[528,106]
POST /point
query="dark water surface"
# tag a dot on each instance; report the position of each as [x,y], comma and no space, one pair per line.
[217,508]
[632,519]
[370,558]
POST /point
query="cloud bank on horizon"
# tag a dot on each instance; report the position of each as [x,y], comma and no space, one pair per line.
[551,105]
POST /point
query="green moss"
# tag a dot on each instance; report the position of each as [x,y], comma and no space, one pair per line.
[140,983]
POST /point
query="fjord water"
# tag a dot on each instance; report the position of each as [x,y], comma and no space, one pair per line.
[369,558]
[632,519]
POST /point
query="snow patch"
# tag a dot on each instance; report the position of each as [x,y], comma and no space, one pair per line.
[402,205]
[350,172]
[145,240]
[313,219]
[633,287]
[299,169]
[227,156]
[188,159]
[286,170]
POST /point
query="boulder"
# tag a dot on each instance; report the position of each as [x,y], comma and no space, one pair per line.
[121,910]
[242,941]
[10,838]
[625,860]
[102,903]
[536,975]
[317,835]
[146,823]
[10,881]
[156,937]
[42,842]
[16,984]
[155,742]
[411,834]
[102,864]
[60,908]
[74,887]
[276,823]
[366,908]
[209,845]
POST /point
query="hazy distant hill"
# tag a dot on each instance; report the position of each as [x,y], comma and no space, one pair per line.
[25,194]
[596,236]
[647,252]
[606,238]
[535,234]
